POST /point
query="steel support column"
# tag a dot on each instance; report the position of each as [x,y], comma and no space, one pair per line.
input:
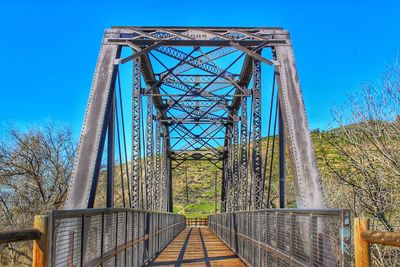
[149,155]
[157,173]
[243,155]
[282,159]
[164,172]
[110,157]
[196,113]
[225,194]
[169,182]
[257,183]
[298,136]
[235,168]
[85,174]
[136,129]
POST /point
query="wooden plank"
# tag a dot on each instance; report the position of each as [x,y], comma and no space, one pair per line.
[197,246]
[19,235]
[361,247]
[383,238]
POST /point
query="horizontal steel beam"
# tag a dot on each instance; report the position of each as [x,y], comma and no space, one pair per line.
[222,43]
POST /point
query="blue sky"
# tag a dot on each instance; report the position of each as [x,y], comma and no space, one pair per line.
[49,48]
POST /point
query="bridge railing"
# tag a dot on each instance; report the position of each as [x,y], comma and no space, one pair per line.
[287,237]
[196,222]
[110,237]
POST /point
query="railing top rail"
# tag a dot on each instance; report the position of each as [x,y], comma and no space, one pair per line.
[193,27]
[297,211]
[91,212]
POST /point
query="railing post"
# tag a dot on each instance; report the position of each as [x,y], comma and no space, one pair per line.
[361,247]
[41,246]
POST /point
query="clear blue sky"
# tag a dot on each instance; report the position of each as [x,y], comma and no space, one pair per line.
[49,48]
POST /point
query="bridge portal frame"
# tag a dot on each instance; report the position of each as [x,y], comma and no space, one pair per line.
[250,41]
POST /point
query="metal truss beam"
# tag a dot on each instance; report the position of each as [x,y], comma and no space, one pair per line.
[243,157]
[235,167]
[298,136]
[257,183]
[149,156]
[136,130]
[202,33]
[157,174]
[192,62]
[85,173]
[197,104]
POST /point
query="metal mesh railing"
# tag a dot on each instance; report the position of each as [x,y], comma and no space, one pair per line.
[110,237]
[287,237]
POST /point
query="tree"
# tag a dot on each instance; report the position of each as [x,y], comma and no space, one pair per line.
[367,142]
[35,167]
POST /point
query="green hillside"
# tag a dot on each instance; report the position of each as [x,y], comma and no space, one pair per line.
[201,180]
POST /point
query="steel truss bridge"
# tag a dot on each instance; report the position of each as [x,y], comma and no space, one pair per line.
[196,93]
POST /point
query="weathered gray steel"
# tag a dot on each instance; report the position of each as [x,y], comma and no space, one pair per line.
[201,110]
[125,237]
[136,140]
[243,157]
[149,156]
[235,166]
[258,189]
[306,175]
[157,172]
[88,158]
[110,157]
[282,163]
[286,237]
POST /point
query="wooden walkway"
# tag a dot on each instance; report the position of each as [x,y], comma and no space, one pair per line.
[197,246]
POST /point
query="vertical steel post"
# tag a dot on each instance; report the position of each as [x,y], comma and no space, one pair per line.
[86,169]
[243,155]
[164,172]
[149,154]
[215,192]
[169,179]
[187,188]
[257,177]
[225,169]
[226,196]
[298,136]
[282,173]
[110,156]
[136,129]
[235,168]
[157,173]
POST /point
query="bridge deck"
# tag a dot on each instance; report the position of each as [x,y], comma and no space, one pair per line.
[197,246]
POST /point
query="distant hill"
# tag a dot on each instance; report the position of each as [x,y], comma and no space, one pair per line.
[201,181]
[198,198]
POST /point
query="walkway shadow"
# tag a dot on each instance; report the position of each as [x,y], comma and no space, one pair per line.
[200,257]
